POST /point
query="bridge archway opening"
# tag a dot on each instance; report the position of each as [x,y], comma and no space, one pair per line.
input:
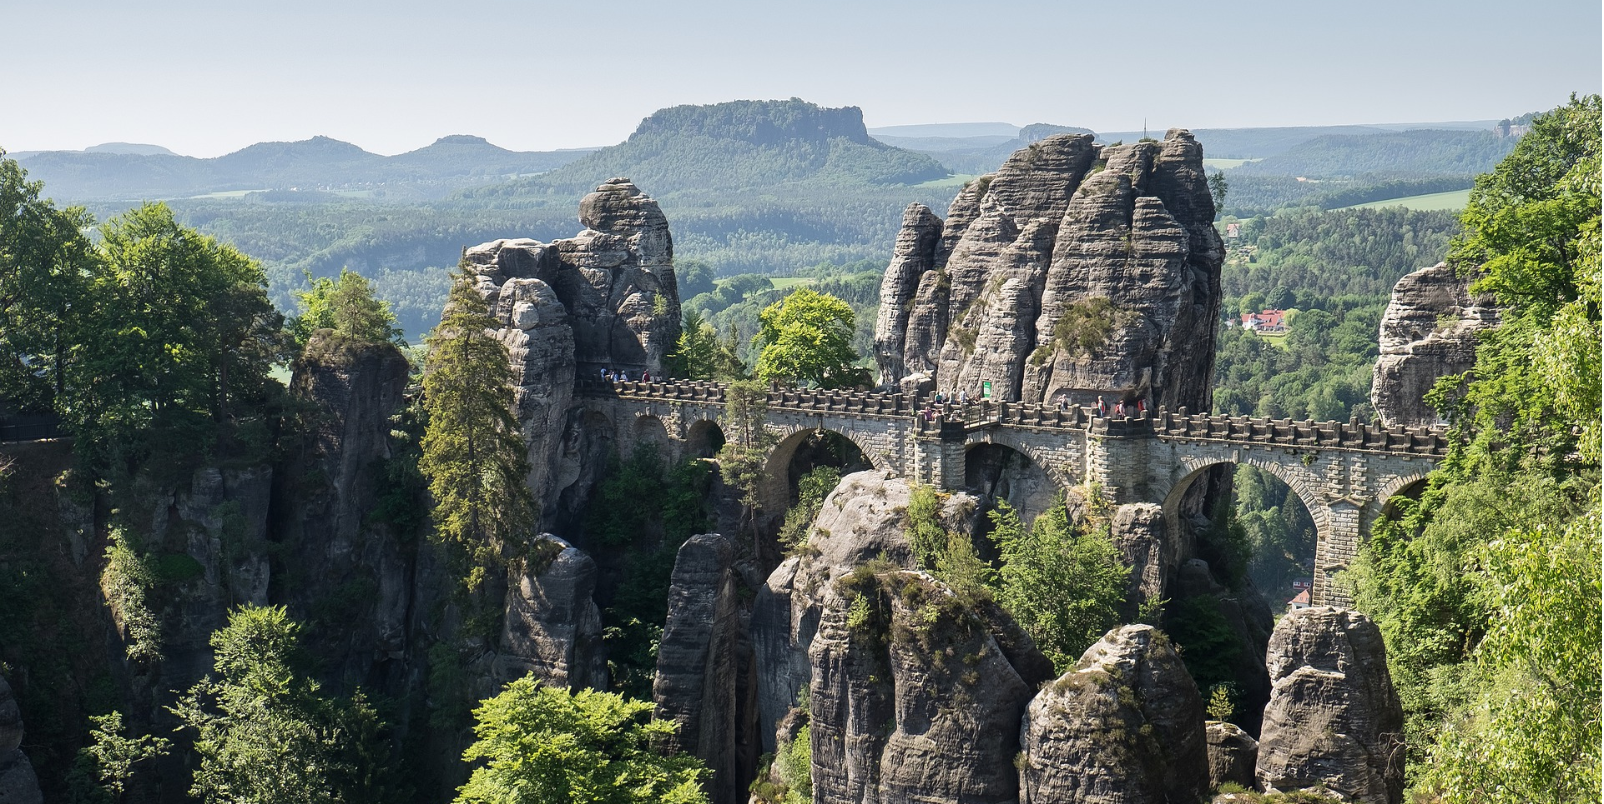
[800,453]
[1267,520]
[704,439]
[1000,472]
[649,430]
[1410,491]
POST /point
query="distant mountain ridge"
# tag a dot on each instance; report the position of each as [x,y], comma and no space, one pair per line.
[126,172]
[738,145]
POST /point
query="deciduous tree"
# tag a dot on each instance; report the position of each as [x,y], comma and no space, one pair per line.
[542,745]
[807,337]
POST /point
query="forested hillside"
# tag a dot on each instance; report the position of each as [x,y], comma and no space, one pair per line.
[1402,152]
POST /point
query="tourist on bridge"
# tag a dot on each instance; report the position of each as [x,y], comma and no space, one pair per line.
[1102,407]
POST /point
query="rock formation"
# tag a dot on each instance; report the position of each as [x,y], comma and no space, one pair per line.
[552,626]
[912,697]
[1126,725]
[1232,755]
[1428,331]
[864,519]
[1333,717]
[705,667]
[1145,546]
[18,783]
[603,299]
[325,512]
[1073,270]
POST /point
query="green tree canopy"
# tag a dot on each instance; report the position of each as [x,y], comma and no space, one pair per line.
[473,451]
[541,745]
[807,337]
[45,262]
[1487,588]
[175,329]
[1061,580]
[348,305]
[265,733]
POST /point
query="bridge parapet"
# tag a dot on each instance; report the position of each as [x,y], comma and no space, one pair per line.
[1307,434]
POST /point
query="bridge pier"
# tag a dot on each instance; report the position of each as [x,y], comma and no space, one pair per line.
[1336,547]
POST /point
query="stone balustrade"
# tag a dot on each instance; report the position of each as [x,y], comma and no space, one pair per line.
[1166,425]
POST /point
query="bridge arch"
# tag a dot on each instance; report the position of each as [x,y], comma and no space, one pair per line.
[648,429]
[703,438]
[775,495]
[1303,482]
[1000,470]
[1408,485]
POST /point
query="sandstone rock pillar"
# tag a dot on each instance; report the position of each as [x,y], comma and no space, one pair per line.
[1333,717]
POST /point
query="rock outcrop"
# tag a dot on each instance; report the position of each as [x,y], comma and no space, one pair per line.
[325,501]
[1428,331]
[1232,755]
[1126,725]
[1333,717]
[705,667]
[864,519]
[1144,543]
[552,627]
[913,699]
[603,299]
[1074,270]
[18,782]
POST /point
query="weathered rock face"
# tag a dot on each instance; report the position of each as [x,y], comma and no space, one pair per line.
[324,505]
[18,783]
[1428,331]
[1232,754]
[10,718]
[1333,716]
[912,697]
[552,626]
[863,519]
[604,299]
[1126,725]
[1073,270]
[1144,543]
[705,666]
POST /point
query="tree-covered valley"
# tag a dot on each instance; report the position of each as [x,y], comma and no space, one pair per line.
[424,497]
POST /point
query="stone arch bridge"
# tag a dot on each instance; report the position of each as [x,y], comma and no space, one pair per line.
[1343,472]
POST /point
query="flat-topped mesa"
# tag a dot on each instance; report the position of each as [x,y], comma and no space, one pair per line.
[1075,271]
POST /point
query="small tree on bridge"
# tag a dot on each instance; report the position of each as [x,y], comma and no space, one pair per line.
[807,337]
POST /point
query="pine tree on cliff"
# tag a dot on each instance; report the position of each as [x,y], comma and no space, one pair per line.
[473,454]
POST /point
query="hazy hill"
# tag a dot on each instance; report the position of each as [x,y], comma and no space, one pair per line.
[735,146]
[128,148]
[972,155]
[119,171]
[1404,152]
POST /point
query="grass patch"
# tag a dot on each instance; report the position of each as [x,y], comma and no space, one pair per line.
[1276,339]
[1451,200]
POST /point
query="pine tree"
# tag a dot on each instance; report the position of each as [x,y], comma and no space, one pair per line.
[473,453]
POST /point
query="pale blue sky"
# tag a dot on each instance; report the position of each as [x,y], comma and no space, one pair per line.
[205,77]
